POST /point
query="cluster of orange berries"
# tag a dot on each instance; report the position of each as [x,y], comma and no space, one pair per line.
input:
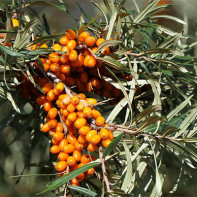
[72,136]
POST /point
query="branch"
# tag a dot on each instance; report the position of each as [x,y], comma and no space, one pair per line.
[104,170]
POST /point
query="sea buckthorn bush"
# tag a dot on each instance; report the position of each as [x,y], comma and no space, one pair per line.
[106,108]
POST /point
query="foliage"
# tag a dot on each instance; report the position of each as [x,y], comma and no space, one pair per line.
[155,121]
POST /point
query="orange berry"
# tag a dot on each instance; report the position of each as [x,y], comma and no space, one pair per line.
[74,100]
[80,114]
[81,164]
[94,49]
[82,139]
[57,47]
[46,66]
[52,113]
[65,69]
[78,146]
[111,136]
[62,144]
[60,87]
[106,51]
[90,61]
[91,101]
[50,95]
[61,166]
[95,139]
[71,34]
[74,182]
[71,161]
[89,87]
[62,156]
[77,155]
[96,113]
[85,159]
[52,123]
[58,136]
[65,112]
[92,147]
[71,45]
[54,149]
[71,139]
[47,106]
[100,121]
[69,148]
[41,100]
[80,60]
[64,41]
[81,177]
[80,122]
[66,100]
[106,142]
[65,50]
[47,87]
[62,96]
[71,107]
[104,134]
[83,36]
[99,41]
[73,167]
[90,171]
[80,106]
[54,142]
[84,130]
[81,96]
[54,57]
[86,52]
[87,111]
[64,58]
[54,67]
[95,82]
[83,77]
[73,56]
[45,127]
[90,41]
[90,134]
[59,127]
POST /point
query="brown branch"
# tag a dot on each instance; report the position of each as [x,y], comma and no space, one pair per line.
[104,170]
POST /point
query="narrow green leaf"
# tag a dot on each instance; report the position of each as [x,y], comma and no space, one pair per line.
[83,190]
[62,180]
[112,145]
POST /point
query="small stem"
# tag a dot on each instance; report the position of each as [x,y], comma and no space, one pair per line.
[104,170]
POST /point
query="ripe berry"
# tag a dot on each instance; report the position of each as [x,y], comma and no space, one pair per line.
[54,67]
[74,100]
[71,161]
[61,166]
[62,156]
[57,47]
[104,134]
[106,142]
[96,113]
[71,107]
[90,134]
[58,136]
[59,87]
[81,177]
[69,148]
[52,123]
[65,69]
[84,130]
[71,139]
[83,36]
[91,101]
[54,57]
[64,41]
[47,106]
[92,147]
[59,127]
[87,111]
[41,100]
[71,34]
[47,87]
[62,144]
[95,139]
[90,171]
[71,45]
[90,41]
[77,155]
[99,41]
[74,182]
[52,113]
[80,122]
[45,127]
[78,146]
[82,139]
[72,117]
[50,95]
[100,121]
[73,56]
[85,159]
[54,149]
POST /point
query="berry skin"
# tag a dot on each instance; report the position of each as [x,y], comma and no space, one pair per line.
[82,139]
[85,159]
[52,123]
[81,96]
[45,127]
[71,107]
[59,87]
[71,139]
[95,82]
[71,34]
[41,100]
[72,117]
[111,136]
[104,134]
[62,144]
[59,127]
[57,47]
[71,161]
[87,111]
[47,87]
[90,41]
[84,130]
[83,36]
[50,95]
[69,148]
[54,67]
[74,100]
[78,146]
[91,101]
[63,156]
[71,45]
[52,113]
[73,167]
[83,77]
[54,57]
[96,113]
[90,134]
[64,41]
[80,106]
[58,136]
[73,56]
[95,139]
[46,66]
[66,100]
[99,41]
[47,106]
[65,69]
[100,121]
[80,122]
[92,147]
[61,166]
[64,58]
[90,61]
[77,155]
[106,142]
[54,149]
[81,177]
[74,182]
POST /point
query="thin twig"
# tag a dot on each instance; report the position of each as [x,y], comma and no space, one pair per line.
[104,170]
